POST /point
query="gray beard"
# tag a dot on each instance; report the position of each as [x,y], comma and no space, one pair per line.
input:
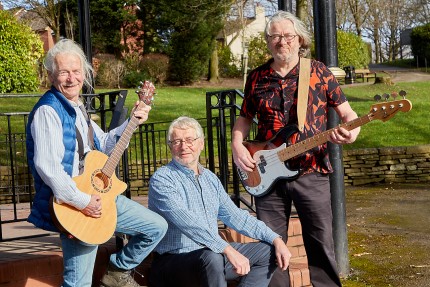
[284,58]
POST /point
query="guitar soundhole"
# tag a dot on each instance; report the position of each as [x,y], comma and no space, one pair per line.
[100,181]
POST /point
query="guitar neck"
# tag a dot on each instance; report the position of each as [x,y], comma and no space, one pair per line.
[113,160]
[307,144]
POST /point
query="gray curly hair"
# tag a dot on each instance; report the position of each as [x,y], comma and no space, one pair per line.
[299,28]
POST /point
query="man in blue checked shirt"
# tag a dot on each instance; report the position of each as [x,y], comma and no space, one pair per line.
[192,199]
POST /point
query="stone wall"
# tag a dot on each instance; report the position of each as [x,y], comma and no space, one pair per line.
[387,165]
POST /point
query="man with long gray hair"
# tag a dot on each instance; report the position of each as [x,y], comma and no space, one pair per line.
[58,132]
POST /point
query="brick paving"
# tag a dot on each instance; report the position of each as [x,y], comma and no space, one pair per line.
[37,261]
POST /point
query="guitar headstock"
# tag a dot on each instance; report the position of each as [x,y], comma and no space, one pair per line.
[146,92]
[386,110]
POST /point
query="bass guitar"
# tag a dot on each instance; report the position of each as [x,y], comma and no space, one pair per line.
[271,156]
[98,177]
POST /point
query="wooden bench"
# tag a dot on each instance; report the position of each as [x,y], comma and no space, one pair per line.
[364,74]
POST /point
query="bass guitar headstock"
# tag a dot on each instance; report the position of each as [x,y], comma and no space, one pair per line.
[386,110]
[146,92]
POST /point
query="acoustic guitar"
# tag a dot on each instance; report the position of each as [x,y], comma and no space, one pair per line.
[272,156]
[98,177]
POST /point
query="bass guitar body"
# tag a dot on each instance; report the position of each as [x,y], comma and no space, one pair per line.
[92,181]
[269,166]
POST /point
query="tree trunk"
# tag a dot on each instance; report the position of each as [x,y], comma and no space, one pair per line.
[302,9]
[213,76]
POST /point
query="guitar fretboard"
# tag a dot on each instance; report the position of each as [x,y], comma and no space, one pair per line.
[113,160]
[300,147]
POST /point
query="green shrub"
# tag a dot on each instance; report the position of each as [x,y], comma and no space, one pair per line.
[110,72]
[133,78]
[156,66]
[258,54]
[226,63]
[151,67]
[352,50]
[20,53]
[420,43]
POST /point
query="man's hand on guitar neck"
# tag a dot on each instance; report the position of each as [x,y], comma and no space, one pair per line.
[341,136]
[94,208]
[141,111]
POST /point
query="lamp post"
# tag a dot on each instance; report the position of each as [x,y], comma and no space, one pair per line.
[285,5]
[326,51]
[85,37]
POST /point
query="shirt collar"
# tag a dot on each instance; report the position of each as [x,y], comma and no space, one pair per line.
[186,170]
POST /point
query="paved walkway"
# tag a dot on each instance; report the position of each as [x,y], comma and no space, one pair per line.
[398,74]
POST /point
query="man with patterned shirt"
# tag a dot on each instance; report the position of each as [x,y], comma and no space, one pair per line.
[192,200]
[271,96]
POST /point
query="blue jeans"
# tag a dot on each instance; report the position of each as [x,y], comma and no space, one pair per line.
[205,268]
[145,227]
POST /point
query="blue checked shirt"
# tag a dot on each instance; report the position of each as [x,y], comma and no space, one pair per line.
[192,206]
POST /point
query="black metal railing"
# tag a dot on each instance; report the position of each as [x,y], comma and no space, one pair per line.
[146,152]
[222,109]
[16,183]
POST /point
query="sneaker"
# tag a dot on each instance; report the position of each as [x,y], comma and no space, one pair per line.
[115,277]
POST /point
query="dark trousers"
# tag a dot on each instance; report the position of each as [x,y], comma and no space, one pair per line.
[310,194]
[205,268]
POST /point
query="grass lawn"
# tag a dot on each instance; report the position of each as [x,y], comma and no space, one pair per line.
[404,129]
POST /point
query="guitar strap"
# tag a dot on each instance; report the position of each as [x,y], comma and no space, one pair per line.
[80,150]
[90,127]
[80,140]
[303,92]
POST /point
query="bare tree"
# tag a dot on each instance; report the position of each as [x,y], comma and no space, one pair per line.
[48,10]
[359,11]
[69,24]
[418,11]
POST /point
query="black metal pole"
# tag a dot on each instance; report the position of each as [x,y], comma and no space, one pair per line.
[285,5]
[85,37]
[326,52]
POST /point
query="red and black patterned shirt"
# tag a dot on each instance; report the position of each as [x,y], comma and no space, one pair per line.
[273,99]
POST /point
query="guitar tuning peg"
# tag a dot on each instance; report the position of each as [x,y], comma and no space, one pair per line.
[377,98]
[403,94]
[394,95]
[385,96]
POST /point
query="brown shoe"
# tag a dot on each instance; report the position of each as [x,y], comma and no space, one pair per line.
[115,277]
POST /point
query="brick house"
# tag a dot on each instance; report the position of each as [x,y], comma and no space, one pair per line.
[37,24]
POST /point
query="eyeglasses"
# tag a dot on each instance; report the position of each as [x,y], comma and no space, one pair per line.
[188,141]
[278,37]
[64,74]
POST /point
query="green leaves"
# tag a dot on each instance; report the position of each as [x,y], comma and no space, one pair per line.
[20,52]
[352,50]
[420,43]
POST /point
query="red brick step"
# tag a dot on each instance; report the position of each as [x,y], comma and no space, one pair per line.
[38,262]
